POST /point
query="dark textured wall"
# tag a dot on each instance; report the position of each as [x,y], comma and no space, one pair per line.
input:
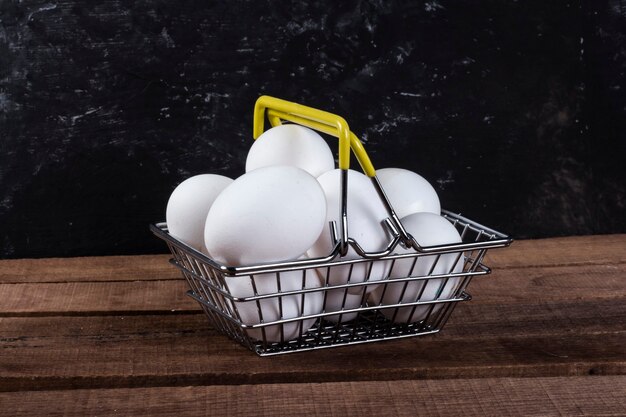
[514,110]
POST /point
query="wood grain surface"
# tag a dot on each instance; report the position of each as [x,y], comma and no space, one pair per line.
[497,397]
[543,335]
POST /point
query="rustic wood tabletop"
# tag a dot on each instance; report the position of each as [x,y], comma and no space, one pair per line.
[545,334]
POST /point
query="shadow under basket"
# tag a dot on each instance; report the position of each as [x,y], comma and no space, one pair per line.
[296,306]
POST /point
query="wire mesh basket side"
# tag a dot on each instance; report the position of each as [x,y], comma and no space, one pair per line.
[204,286]
[297,307]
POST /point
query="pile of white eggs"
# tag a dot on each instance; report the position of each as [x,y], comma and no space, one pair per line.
[280,210]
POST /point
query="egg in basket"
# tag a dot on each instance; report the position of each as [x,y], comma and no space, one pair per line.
[296,254]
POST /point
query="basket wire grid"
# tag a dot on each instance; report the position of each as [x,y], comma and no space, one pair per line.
[277,315]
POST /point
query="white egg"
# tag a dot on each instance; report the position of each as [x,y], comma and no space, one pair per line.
[291,144]
[365,214]
[189,205]
[428,229]
[270,309]
[408,192]
[270,214]
[340,299]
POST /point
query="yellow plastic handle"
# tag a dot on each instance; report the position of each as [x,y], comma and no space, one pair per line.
[332,124]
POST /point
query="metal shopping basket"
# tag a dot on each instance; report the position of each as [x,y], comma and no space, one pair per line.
[282,320]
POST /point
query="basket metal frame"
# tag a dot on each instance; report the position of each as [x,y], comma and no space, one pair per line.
[367,321]
[207,281]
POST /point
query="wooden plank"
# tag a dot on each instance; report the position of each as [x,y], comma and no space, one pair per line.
[114,351]
[572,250]
[541,284]
[505,286]
[95,298]
[115,331]
[96,268]
[579,250]
[580,317]
[468,320]
[574,396]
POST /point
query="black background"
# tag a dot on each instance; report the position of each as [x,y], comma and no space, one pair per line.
[514,110]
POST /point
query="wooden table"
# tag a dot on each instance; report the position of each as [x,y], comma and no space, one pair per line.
[544,335]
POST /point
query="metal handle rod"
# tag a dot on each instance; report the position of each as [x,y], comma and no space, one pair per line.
[278,110]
